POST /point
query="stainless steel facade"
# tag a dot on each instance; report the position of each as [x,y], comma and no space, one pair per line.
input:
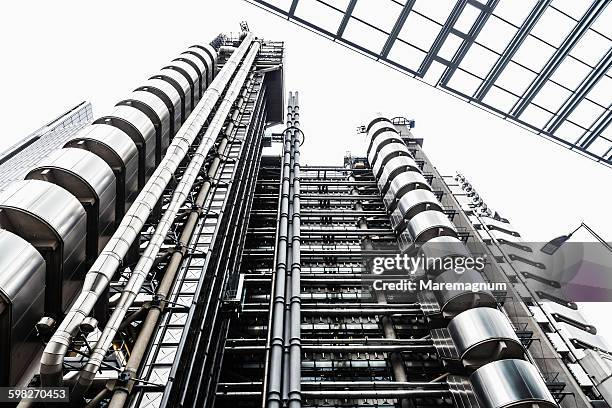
[225,276]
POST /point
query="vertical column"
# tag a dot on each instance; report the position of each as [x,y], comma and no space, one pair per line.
[295,343]
[284,363]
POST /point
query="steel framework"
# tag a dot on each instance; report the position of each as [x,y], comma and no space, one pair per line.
[242,278]
[543,65]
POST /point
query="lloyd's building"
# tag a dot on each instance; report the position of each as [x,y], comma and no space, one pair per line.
[176,253]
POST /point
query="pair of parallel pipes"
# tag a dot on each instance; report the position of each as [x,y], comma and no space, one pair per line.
[110,259]
[284,363]
[232,97]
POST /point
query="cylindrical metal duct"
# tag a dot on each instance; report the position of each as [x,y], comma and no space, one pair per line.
[393,168]
[22,300]
[511,383]
[411,204]
[119,152]
[181,192]
[430,224]
[452,302]
[402,184]
[54,222]
[87,177]
[483,335]
[107,263]
[388,152]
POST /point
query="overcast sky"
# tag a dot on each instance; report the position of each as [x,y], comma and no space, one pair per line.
[56,54]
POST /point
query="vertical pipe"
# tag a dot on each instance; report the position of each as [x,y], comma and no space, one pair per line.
[121,393]
[295,343]
[284,360]
[275,358]
[181,192]
[106,265]
[287,314]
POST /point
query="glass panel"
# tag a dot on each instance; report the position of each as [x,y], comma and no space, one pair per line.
[406,55]
[553,27]
[568,131]
[496,34]
[500,99]
[323,15]
[533,54]
[514,11]
[467,18]
[364,35]
[464,82]
[437,10]
[479,60]
[574,8]
[380,13]
[570,73]
[419,31]
[515,78]
[585,114]
[591,48]
[535,116]
[551,96]
[450,47]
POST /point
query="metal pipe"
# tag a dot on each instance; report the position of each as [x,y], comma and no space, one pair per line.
[273,395]
[316,306]
[352,340]
[295,346]
[121,393]
[370,394]
[99,397]
[288,281]
[110,259]
[349,348]
[290,241]
[341,385]
[366,385]
[346,394]
[181,192]
[349,312]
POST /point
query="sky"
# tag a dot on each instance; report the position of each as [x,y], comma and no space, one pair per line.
[56,54]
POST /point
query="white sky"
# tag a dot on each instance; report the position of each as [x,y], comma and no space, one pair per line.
[56,54]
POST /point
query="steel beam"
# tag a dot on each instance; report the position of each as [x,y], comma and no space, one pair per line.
[483,17]
[602,67]
[294,5]
[512,48]
[346,18]
[441,38]
[597,131]
[397,28]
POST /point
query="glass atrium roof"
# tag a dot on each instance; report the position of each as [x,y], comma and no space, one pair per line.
[542,64]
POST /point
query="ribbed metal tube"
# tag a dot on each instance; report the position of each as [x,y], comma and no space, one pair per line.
[121,393]
[283,381]
[110,259]
[274,373]
[295,346]
[143,267]
[480,334]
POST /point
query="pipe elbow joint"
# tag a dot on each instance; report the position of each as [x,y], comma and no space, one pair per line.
[51,364]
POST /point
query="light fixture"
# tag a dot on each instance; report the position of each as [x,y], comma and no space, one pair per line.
[553,245]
